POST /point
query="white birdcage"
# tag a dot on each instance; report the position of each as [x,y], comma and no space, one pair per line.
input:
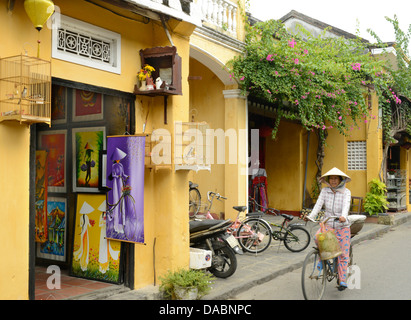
[25,89]
[192,148]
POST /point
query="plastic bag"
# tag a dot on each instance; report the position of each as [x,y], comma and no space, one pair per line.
[328,244]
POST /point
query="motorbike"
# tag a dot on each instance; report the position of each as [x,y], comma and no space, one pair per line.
[212,235]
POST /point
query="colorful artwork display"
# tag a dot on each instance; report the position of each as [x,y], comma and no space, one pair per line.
[125,181]
[54,142]
[58,104]
[41,196]
[94,256]
[87,105]
[87,143]
[54,248]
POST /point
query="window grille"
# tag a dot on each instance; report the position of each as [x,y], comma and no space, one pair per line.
[82,43]
[357,155]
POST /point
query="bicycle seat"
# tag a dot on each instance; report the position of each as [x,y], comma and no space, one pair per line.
[240,208]
[192,185]
[288,217]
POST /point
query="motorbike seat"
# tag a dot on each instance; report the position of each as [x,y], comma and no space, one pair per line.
[240,208]
[200,225]
[288,217]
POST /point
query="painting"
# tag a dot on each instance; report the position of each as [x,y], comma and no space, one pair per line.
[87,143]
[54,142]
[94,256]
[54,248]
[125,181]
[58,104]
[103,171]
[41,197]
[87,105]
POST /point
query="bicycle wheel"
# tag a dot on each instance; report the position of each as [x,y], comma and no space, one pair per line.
[313,280]
[254,235]
[297,239]
[194,201]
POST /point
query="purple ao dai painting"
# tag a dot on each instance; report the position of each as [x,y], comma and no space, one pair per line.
[125,180]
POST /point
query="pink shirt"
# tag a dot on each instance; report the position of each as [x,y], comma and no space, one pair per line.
[336,204]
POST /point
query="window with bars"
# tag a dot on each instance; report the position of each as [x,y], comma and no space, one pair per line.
[83,43]
[357,155]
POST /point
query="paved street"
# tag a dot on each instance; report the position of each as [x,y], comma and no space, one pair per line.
[384,264]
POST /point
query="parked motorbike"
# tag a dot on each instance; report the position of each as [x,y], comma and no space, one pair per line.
[212,235]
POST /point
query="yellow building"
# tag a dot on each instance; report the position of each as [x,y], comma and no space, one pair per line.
[289,160]
[94,49]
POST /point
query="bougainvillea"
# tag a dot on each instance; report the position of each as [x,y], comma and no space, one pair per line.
[322,81]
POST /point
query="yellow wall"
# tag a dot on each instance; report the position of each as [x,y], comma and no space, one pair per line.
[285,172]
[286,159]
[205,93]
[14,173]
[14,197]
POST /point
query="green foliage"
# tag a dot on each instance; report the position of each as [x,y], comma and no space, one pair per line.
[186,278]
[394,110]
[376,201]
[318,80]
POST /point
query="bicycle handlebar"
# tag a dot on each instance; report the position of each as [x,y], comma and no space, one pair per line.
[324,221]
[217,195]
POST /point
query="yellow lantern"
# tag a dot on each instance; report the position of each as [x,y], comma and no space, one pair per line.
[39,11]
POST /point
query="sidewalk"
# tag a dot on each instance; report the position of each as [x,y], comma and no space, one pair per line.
[256,269]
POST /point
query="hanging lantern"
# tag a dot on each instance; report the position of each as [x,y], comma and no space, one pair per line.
[39,11]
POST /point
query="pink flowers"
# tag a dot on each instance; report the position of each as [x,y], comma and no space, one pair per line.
[270,57]
[296,61]
[292,43]
[356,66]
[397,100]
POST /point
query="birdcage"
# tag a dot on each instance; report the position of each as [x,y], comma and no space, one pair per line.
[25,89]
[192,146]
[158,151]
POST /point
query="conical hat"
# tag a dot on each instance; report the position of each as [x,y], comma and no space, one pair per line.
[118,155]
[335,172]
[86,208]
[102,206]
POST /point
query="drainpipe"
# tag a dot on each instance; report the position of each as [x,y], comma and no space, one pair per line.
[306,165]
[163,22]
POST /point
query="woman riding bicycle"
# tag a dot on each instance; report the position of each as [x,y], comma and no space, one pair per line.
[337,199]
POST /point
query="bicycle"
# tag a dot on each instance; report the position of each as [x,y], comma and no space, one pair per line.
[194,198]
[295,237]
[313,277]
[253,233]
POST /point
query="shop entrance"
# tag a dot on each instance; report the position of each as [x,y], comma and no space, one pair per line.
[396,180]
[67,214]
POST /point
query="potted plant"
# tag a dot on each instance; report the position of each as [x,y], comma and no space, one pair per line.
[375,201]
[185,284]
